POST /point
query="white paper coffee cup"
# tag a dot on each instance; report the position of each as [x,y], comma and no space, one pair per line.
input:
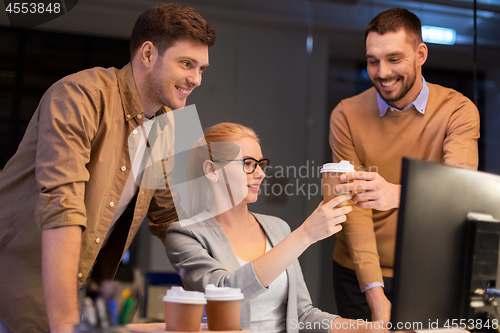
[341,167]
[330,173]
[223,308]
[183,310]
[179,295]
[213,293]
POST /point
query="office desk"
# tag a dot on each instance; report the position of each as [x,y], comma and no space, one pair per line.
[159,327]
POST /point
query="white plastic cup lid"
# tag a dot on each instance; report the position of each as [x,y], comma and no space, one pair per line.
[342,166]
[213,293]
[179,295]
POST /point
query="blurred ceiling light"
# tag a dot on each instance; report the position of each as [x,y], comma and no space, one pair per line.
[438,35]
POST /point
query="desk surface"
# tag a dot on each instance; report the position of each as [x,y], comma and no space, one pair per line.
[159,327]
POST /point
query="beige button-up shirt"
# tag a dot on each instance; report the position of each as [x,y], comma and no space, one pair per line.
[70,169]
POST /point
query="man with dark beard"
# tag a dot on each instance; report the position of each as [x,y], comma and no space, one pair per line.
[69,203]
[402,115]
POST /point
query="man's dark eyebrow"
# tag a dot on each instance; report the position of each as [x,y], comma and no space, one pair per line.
[369,56]
[394,54]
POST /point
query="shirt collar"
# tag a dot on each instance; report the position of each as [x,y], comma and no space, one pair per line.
[419,103]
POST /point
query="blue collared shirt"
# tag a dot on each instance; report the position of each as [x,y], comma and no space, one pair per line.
[419,103]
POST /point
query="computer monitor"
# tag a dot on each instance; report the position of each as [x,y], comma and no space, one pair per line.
[433,273]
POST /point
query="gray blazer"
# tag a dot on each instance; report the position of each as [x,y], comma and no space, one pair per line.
[202,254]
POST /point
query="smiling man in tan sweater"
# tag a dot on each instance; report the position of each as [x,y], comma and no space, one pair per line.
[402,115]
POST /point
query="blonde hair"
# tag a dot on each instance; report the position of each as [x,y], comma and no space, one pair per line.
[228,132]
[223,134]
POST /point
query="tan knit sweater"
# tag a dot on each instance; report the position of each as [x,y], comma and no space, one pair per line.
[447,133]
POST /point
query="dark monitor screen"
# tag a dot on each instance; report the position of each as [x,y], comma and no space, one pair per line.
[430,268]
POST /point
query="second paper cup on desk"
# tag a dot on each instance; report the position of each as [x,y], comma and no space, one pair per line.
[183,310]
[223,308]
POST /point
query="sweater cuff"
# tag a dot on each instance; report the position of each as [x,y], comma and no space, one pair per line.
[372,285]
[247,280]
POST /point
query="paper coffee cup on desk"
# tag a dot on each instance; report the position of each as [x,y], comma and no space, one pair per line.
[330,173]
[183,310]
[223,308]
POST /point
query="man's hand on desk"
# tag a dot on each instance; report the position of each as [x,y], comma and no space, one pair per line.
[374,191]
[345,325]
[378,326]
[381,314]
[379,305]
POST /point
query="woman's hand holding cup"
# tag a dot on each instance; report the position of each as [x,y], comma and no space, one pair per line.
[325,220]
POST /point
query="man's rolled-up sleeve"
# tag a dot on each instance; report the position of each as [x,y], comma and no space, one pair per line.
[67,120]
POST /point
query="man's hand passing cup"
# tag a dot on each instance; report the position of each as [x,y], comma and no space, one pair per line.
[370,190]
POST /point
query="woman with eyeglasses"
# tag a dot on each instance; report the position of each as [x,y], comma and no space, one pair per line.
[230,246]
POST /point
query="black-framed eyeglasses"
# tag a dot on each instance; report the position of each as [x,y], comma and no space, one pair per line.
[250,164]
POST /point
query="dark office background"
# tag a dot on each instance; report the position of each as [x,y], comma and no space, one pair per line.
[261,75]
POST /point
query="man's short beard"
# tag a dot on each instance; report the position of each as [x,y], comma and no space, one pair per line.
[405,89]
